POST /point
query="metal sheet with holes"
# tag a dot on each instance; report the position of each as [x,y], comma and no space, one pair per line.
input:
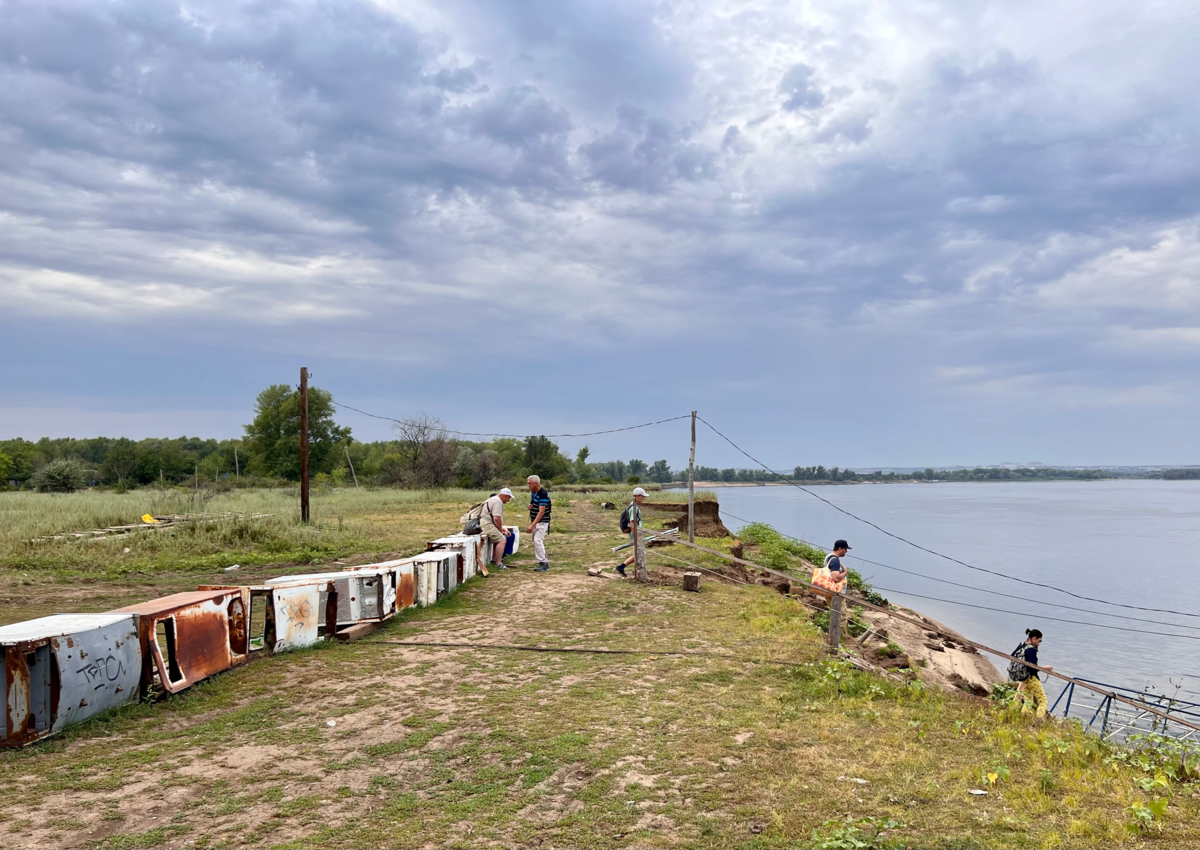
[63,669]
[204,632]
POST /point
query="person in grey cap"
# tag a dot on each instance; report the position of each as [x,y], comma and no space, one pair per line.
[491,527]
[630,517]
[834,560]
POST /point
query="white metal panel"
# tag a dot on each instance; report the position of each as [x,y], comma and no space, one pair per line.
[98,669]
[56,625]
[299,615]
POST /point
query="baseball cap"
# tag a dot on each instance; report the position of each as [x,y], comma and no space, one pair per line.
[841,544]
[638,491]
[504,491]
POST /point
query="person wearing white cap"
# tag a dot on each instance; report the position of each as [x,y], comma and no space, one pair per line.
[631,516]
[491,527]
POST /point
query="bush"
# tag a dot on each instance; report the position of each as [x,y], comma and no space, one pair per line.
[65,475]
[633,479]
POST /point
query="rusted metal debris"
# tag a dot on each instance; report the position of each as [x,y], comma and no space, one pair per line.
[65,668]
[371,592]
[59,670]
[187,637]
[288,616]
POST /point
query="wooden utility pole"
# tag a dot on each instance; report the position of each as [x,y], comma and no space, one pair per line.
[639,553]
[692,485]
[304,444]
[351,463]
[835,623]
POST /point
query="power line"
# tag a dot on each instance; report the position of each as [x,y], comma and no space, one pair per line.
[884,531]
[1039,616]
[518,436]
[979,589]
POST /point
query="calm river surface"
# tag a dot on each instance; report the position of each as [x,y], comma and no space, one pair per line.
[1136,542]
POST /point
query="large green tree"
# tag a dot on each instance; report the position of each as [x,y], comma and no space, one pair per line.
[273,438]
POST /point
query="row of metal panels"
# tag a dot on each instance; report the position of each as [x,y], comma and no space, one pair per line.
[62,669]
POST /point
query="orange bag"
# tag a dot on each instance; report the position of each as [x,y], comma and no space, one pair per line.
[821,577]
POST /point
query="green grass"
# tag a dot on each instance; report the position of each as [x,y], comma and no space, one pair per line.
[470,747]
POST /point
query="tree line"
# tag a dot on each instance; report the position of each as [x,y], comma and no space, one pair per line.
[423,454]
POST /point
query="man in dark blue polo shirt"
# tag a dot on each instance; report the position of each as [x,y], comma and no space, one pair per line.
[539,521]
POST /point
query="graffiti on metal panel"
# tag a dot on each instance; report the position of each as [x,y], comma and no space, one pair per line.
[102,671]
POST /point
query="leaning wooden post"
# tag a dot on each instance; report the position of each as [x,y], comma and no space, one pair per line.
[692,485]
[352,472]
[639,554]
[835,623]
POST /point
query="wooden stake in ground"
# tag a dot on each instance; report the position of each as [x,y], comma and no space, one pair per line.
[352,472]
[639,554]
[304,444]
[692,485]
[835,623]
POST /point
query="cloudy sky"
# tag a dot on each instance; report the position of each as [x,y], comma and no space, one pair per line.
[848,232]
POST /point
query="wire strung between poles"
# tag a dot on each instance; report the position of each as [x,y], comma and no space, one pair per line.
[518,436]
[973,587]
[905,540]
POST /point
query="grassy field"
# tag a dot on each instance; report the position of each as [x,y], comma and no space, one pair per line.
[756,739]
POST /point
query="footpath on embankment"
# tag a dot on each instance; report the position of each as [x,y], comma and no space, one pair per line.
[723,723]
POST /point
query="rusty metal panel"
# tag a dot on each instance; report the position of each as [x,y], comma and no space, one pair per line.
[203,632]
[62,669]
[295,613]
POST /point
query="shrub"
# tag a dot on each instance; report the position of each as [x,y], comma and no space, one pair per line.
[65,475]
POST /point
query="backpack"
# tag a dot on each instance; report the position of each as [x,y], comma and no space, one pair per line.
[471,519]
[1018,672]
[626,517]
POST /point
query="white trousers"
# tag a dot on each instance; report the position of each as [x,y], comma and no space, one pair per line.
[539,541]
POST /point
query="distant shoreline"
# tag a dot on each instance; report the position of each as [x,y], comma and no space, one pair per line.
[709,485]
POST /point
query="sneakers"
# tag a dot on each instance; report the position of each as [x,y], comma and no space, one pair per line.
[621,569]
[541,567]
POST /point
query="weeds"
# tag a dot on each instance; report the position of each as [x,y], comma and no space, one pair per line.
[860,834]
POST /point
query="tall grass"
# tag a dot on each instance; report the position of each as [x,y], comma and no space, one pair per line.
[343,521]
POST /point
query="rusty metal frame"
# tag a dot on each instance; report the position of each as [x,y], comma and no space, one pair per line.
[62,669]
[206,632]
[297,613]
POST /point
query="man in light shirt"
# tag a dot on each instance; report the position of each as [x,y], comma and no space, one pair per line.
[491,528]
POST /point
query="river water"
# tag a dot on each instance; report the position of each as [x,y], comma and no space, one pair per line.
[1135,542]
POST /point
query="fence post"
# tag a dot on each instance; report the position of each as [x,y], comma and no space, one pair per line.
[639,554]
[835,623]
